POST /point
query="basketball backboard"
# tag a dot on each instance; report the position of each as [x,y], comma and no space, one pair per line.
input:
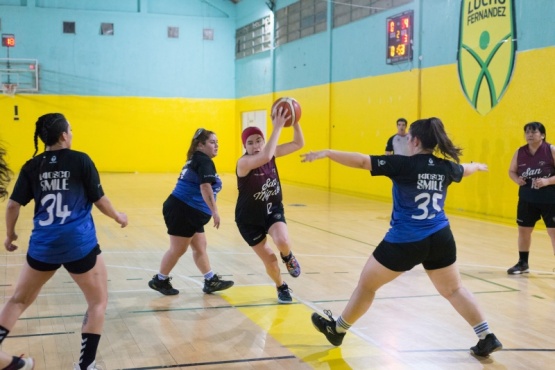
[19,75]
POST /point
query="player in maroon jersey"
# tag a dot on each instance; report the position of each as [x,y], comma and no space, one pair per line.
[533,169]
[259,209]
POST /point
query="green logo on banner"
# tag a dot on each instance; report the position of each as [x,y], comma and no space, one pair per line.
[487,47]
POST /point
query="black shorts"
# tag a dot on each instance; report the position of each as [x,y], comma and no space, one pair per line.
[436,251]
[75,267]
[528,214]
[254,234]
[182,219]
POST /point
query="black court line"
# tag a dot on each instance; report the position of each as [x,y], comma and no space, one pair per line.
[490,282]
[202,276]
[50,317]
[509,290]
[466,350]
[290,357]
[40,335]
[414,296]
[214,307]
[330,232]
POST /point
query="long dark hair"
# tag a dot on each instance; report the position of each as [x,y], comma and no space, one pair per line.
[49,127]
[5,174]
[201,135]
[431,134]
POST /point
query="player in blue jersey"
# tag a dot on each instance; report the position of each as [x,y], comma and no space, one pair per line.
[259,210]
[7,361]
[64,185]
[419,233]
[188,208]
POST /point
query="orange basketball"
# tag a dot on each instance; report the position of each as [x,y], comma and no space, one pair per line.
[292,106]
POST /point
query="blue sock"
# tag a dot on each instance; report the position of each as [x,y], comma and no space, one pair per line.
[209,275]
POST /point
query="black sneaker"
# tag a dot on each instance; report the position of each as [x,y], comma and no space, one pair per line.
[25,363]
[327,327]
[284,294]
[215,283]
[520,268]
[163,286]
[486,346]
[292,265]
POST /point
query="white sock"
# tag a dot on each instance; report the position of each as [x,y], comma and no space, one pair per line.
[482,330]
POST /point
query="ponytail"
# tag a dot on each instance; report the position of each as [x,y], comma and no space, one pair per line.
[431,134]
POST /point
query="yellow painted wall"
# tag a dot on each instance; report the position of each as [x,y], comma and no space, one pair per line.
[122,134]
[495,137]
[363,112]
[364,116]
[153,135]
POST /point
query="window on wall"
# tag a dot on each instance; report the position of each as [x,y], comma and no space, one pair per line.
[69,27]
[301,19]
[173,32]
[107,29]
[208,34]
[253,38]
[347,11]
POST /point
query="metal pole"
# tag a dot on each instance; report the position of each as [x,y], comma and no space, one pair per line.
[8,64]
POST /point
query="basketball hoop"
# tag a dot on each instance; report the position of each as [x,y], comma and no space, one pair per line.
[9,89]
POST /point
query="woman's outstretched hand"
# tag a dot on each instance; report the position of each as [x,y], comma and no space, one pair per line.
[312,156]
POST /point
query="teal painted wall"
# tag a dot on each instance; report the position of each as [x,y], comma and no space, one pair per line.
[357,50]
[139,59]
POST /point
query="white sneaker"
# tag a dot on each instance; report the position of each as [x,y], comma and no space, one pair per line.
[90,367]
[29,363]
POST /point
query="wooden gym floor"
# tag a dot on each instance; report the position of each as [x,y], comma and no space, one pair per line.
[409,326]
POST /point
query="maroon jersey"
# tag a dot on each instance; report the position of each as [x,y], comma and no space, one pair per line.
[259,193]
[532,166]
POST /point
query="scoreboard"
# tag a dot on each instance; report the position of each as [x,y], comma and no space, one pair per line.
[8,40]
[399,37]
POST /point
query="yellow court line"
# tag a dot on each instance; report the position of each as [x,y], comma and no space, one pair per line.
[291,326]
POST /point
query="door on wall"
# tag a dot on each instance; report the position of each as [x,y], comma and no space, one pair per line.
[255,118]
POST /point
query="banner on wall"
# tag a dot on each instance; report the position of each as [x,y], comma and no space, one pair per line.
[487,49]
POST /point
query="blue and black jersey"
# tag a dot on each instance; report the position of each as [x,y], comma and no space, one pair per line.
[200,169]
[64,184]
[419,189]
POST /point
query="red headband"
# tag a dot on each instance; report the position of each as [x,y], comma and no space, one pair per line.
[250,131]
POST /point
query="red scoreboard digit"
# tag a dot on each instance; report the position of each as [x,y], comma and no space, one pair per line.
[399,30]
[8,40]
